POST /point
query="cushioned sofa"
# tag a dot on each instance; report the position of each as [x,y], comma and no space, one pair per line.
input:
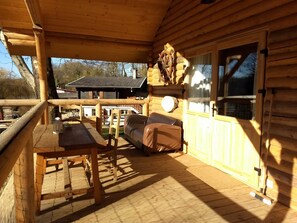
[154,133]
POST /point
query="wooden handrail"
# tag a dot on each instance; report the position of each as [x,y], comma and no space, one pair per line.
[57,102]
[99,103]
[19,102]
[11,133]
[15,138]
[16,148]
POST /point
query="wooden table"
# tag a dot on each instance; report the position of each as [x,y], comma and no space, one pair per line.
[78,139]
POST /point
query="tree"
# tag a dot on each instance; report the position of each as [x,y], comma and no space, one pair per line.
[34,64]
[31,77]
[4,73]
[141,69]
[22,67]
[71,70]
[112,69]
[13,88]
[52,89]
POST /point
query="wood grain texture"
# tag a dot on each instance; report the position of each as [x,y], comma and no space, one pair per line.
[14,139]
[78,139]
[280,140]
[24,185]
[159,92]
[89,30]
[220,20]
[198,29]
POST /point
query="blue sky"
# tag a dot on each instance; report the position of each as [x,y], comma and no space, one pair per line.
[6,62]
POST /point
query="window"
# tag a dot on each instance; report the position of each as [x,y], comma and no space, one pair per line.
[237,81]
[93,112]
[200,83]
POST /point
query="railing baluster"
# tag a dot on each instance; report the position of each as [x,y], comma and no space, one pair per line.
[99,118]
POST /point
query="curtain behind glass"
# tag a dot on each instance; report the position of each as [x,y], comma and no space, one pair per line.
[200,83]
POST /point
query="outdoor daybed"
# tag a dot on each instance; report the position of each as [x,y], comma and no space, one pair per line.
[154,133]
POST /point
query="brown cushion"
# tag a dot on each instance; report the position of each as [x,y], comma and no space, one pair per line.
[159,118]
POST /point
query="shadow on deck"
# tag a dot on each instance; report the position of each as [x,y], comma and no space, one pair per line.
[165,187]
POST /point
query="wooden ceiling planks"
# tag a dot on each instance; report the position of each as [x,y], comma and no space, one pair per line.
[34,12]
[14,14]
[101,18]
[104,30]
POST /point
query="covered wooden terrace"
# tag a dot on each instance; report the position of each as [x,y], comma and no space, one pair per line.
[176,188]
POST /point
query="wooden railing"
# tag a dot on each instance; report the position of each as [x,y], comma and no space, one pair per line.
[16,150]
[16,146]
[99,103]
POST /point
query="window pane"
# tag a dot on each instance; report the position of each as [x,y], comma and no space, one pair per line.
[237,75]
[200,83]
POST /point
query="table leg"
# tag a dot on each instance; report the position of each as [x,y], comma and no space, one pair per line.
[40,171]
[98,191]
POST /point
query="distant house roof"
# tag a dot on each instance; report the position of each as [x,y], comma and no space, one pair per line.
[107,82]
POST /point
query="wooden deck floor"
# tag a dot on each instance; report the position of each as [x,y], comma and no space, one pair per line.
[166,187]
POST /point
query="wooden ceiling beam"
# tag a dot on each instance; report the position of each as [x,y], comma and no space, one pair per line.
[22,39]
[82,49]
[19,36]
[98,39]
[33,8]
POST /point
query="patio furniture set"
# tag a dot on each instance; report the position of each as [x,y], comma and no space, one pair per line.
[81,142]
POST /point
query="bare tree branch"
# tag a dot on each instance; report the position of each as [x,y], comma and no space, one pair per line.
[21,65]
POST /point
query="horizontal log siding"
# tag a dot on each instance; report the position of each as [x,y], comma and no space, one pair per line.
[157,93]
[194,24]
[281,76]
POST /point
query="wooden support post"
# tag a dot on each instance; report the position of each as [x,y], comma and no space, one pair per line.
[41,60]
[81,112]
[99,118]
[145,109]
[24,185]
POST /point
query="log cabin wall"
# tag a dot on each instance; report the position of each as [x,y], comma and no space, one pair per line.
[190,25]
[157,93]
[280,116]
[174,87]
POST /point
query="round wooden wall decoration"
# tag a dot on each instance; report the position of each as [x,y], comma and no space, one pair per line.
[169,103]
